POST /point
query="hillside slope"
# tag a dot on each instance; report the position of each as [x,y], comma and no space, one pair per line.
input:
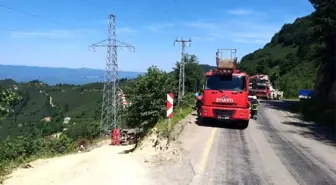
[40,101]
[288,58]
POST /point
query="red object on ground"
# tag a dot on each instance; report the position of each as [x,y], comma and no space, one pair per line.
[115,137]
[170,104]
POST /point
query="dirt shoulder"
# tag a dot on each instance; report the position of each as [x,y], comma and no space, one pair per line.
[103,165]
[108,164]
[177,160]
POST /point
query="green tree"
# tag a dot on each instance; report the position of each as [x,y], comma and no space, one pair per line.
[7,99]
[324,31]
[262,67]
[288,63]
[193,73]
[66,107]
[148,97]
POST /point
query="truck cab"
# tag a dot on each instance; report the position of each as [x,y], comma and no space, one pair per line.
[225,94]
[262,91]
[261,86]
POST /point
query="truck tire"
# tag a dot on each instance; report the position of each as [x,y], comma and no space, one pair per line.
[203,121]
[243,125]
[206,121]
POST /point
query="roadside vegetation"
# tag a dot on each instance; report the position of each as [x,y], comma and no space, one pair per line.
[302,56]
[32,127]
[318,112]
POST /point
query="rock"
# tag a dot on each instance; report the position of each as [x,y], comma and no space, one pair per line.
[27,166]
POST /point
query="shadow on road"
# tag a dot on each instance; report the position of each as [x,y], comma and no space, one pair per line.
[129,150]
[319,132]
[284,105]
[314,131]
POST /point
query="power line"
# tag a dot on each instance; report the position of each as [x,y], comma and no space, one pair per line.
[31,15]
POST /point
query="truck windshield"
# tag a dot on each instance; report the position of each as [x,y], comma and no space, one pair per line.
[229,83]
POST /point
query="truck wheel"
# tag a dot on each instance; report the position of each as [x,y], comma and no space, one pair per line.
[206,121]
[244,124]
[203,121]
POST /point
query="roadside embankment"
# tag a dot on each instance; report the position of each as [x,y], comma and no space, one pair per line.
[318,112]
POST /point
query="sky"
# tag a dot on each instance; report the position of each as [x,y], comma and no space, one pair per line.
[58,33]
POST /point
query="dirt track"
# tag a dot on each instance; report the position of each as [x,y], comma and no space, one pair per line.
[276,149]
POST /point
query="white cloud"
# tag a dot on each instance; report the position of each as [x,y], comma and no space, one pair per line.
[250,36]
[252,29]
[194,24]
[239,12]
[54,34]
[201,25]
[236,30]
[159,27]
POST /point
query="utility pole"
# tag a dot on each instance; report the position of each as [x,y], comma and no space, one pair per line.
[182,68]
[109,112]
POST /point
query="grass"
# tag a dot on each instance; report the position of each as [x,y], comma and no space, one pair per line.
[178,115]
[291,99]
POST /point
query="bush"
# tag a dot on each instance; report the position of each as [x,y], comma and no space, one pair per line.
[188,100]
[7,99]
[148,98]
[61,145]
[79,129]
[23,149]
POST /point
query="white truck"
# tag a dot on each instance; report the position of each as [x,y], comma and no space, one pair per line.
[275,94]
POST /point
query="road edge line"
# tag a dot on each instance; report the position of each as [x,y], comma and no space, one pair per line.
[208,149]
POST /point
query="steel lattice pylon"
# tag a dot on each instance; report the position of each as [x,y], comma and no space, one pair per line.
[110,104]
[182,70]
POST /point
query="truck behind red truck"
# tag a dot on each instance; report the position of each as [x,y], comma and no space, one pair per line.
[226,92]
[261,86]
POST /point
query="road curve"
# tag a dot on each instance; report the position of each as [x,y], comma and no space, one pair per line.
[272,150]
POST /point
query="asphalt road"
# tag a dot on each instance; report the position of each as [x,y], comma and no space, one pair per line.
[278,148]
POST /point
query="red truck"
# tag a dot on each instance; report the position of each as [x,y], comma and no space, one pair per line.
[226,91]
[263,89]
[261,86]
